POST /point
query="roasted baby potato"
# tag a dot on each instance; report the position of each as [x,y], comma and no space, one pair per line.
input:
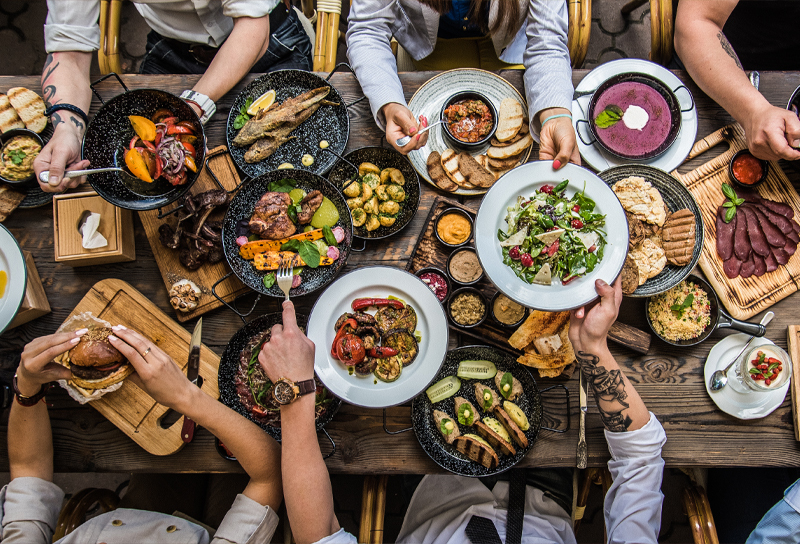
[366,192]
[371,205]
[371,179]
[385,173]
[368,167]
[359,217]
[354,203]
[387,220]
[389,207]
[396,193]
[372,222]
[397,177]
[353,190]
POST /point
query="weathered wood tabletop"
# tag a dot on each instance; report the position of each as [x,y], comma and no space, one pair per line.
[670,380]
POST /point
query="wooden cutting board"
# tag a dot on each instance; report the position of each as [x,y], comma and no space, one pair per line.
[743,297]
[208,274]
[129,408]
[793,341]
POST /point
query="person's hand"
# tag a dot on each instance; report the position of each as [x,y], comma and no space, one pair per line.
[772,132]
[37,368]
[289,353]
[156,372]
[62,152]
[400,122]
[557,141]
[588,327]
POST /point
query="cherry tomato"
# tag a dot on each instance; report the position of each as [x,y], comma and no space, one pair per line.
[190,148]
[160,115]
[178,129]
[514,253]
[576,208]
[350,349]
[526,260]
[353,324]
[576,224]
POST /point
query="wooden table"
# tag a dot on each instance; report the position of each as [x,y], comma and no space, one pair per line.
[670,380]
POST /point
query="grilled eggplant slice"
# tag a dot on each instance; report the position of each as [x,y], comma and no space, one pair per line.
[389,318]
[405,344]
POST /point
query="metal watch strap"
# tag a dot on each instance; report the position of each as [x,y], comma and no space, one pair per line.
[205,103]
[305,387]
[33,400]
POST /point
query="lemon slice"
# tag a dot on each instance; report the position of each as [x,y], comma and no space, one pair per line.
[262,102]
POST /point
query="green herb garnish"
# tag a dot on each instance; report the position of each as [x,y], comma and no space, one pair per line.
[269,280]
[462,417]
[508,380]
[732,203]
[682,307]
[330,239]
[282,185]
[609,117]
[243,117]
[17,156]
[308,251]
[443,426]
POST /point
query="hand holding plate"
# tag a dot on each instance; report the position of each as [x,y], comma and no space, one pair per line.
[588,328]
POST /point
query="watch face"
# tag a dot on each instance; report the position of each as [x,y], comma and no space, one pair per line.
[284,392]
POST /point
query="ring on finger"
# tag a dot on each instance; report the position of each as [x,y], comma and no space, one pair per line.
[145,352]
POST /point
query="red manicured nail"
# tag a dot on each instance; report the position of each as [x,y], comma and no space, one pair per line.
[556,164]
[412,130]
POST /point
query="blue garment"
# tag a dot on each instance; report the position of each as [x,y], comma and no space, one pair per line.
[782,523]
[455,23]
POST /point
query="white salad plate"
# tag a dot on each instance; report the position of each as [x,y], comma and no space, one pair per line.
[524,181]
[752,405]
[430,97]
[378,282]
[13,263]
[599,159]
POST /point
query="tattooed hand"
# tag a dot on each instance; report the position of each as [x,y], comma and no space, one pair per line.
[588,326]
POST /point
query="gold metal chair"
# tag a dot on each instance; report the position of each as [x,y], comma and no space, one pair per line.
[579,30]
[373,510]
[701,520]
[661,28]
[108,55]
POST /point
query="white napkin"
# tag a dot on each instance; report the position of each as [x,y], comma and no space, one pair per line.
[91,238]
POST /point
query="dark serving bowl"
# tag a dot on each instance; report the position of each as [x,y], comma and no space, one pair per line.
[383,158]
[475,292]
[764,170]
[525,313]
[107,139]
[450,259]
[454,142]
[241,207]
[230,362]
[460,212]
[445,277]
[5,138]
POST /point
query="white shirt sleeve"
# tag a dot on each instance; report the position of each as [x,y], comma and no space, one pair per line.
[247,521]
[29,510]
[248,8]
[633,503]
[339,537]
[72,25]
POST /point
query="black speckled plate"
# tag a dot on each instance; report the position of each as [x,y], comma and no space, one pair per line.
[382,158]
[329,123]
[230,362]
[676,197]
[431,439]
[241,207]
[108,136]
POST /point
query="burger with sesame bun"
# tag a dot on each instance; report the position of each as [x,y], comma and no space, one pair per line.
[95,363]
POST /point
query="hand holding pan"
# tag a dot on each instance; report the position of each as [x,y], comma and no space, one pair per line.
[720,319]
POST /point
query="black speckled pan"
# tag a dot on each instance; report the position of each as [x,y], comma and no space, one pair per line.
[431,439]
[230,362]
[108,136]
[241,207]
[329,123]
[676,197]
[382,158]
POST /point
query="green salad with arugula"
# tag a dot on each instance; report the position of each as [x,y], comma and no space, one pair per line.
[550,235]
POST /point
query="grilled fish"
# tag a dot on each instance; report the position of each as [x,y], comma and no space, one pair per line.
[260,125]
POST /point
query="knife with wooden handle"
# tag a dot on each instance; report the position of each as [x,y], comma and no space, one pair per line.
[192,370]
[583,454]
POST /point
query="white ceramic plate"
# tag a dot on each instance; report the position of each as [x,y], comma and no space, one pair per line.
[430,97]
[523,181]
[13,263]
[741,405]
[378,282]
[600,159]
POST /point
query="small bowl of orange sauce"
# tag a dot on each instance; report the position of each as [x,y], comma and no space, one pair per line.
[453,227]
[747,171]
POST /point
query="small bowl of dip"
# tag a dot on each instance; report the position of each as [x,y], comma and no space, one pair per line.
[470,120]
[747,171]
[764,368]
[453,227]
[464,267]
[20,147]
[467,308]
[506,312]
[437,281]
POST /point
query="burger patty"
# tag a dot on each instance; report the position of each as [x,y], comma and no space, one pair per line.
[95,372]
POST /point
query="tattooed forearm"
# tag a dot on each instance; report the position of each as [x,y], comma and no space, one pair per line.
[77,122]
[609,392]
[728,48]
[49,68]
[57,119]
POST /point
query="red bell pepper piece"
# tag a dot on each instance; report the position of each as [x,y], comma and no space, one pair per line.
[353,326]
[177,129]
[364,303]
[381,352]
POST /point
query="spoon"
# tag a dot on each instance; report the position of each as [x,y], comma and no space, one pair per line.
[402,142]
[44,177]
[719,378]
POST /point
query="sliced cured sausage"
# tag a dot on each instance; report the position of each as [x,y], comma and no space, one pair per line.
[732,267]
[758,239]
[741,239]
[725,233]
[748,267]
[795,226]
[793,236]
[760,265]
[772,263]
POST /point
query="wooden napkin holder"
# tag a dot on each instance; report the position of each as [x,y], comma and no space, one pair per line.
[116,224]
[34,304]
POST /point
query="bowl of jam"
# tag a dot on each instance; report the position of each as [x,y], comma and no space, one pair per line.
[747,171]
[470,120]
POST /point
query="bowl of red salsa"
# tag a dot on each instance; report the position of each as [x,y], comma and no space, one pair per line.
[747,171]
[470,120]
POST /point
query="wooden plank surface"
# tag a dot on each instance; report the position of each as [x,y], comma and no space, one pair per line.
[793,341]
[669,379]
[743,297]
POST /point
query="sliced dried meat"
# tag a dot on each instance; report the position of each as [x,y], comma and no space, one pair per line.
[790,248]
[760,265]
[725,233]
[732,267]
[795,226]
[758,240]
[793,236]
[748,267]
[778,207]
[741,239]
[775,218]
[772,263]
[780,255]
[773,234]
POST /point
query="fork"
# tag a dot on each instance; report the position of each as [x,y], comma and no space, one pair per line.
[285,276]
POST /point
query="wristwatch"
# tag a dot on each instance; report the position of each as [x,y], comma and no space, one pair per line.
[203,102]
[285,391]
[30,401]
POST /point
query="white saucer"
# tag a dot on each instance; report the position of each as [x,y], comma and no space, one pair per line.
[742,405]
[601,160]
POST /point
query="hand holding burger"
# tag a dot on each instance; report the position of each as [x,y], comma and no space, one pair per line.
[37,368]
[95,363]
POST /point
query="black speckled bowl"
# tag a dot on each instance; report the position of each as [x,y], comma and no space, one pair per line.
[329,123]
[5,139]
[241,207]
[764,170]
[230,362]
[107,139]
[382,158]
[431,439]
[454,142]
